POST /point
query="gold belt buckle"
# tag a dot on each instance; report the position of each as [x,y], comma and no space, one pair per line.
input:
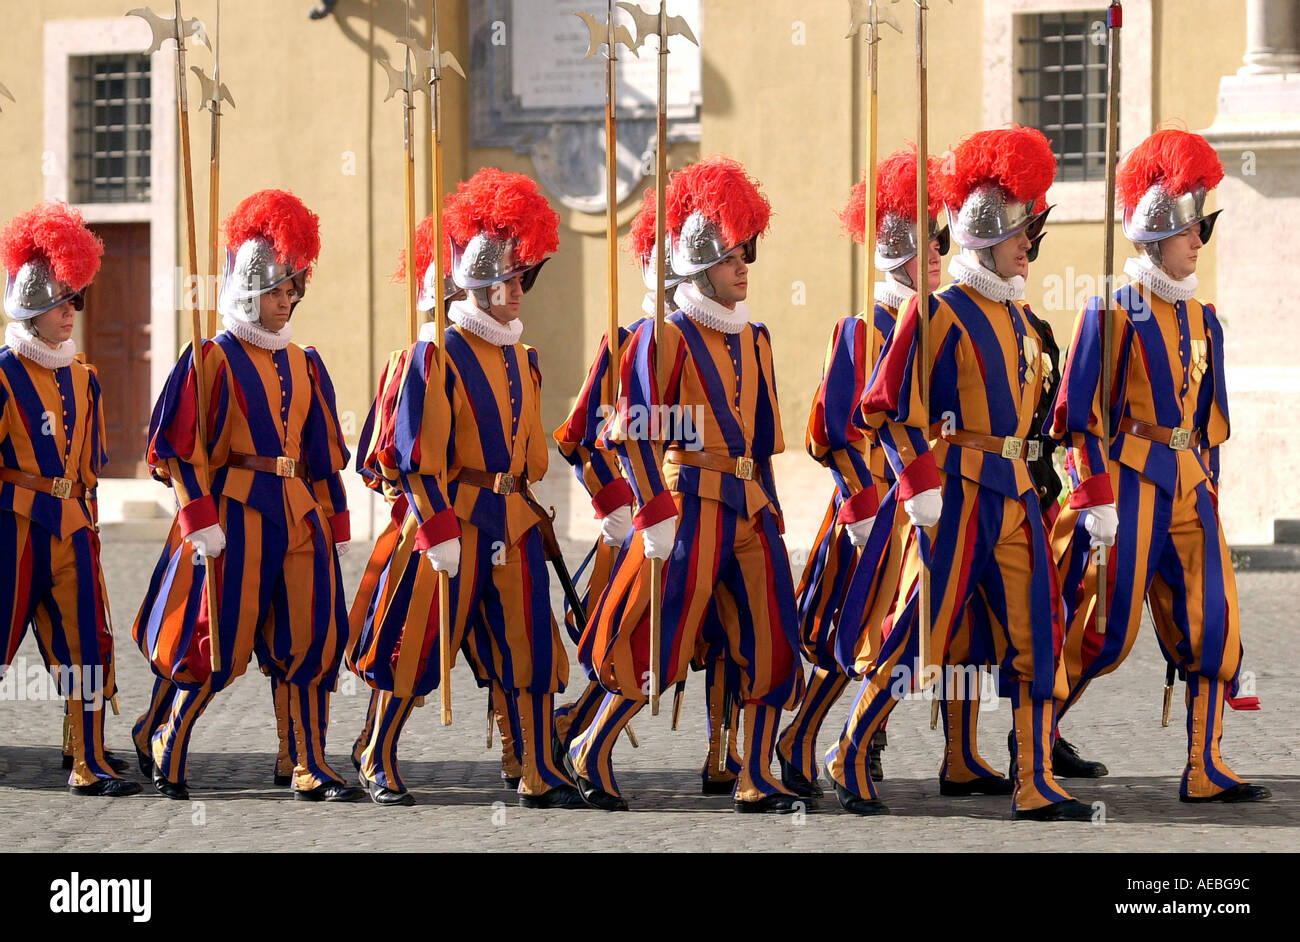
[504,484]
[745,469]
[1011,447]
[285,467]
[1180,438]
[1035,449]
[61,488]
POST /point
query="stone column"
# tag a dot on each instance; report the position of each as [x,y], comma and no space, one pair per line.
[1257,135]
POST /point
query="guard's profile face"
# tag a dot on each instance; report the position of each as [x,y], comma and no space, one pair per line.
[1178,253]
[730,278]
[56,324]
[504,298]
[1011,256]
[275,306]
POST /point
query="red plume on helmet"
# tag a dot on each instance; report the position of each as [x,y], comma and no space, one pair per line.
[1018,159]
[55,232]
[507,206]
[424,251]
[1179,160]
[895,192]
[641,234]
[281,218]
[721,190]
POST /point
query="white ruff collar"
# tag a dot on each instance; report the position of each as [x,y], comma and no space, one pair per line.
[990,284]
[22,342]
[709,313]
[465,313]
[1157,280]
[893,293]
[256,334]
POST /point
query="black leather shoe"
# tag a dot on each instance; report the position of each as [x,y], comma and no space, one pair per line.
[145,762]
[330,791]
[177,791]
[596,797]
[561,796]
[977,786]
[779,803]
[1071,810]
[717,786]
[857,804]
[1067,763]
[117,765]
[107,788]
[510,784]
[387,796]
[281,780]
[1242,791]
[796,781]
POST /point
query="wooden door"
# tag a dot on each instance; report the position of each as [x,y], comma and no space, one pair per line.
[117,336]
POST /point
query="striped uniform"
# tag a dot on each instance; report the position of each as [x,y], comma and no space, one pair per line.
[1170,549]
[488,419]
[279,588]
[52,426]
[990,539]
[599,472]
[728,545]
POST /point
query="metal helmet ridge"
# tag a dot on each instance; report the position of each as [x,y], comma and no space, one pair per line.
[1161,186]
[896,211]
[713,208]
[499,226]
[271,238]
[50,257]
[641,242]
[997,187]
[427,298]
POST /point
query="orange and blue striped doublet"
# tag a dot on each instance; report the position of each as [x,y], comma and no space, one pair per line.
[487,418]
[990,539]
[279,588]
[1170,549]
[720,398]
[52,426]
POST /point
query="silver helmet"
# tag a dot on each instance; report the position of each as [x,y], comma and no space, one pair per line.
[650,271]
[1160,214]
[990,215]
[428,299]
[699,246]
[252,271]
[488,260]
[896,240]
[34,289]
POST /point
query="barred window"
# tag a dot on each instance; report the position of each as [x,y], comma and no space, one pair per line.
[1061,87]
[110,128]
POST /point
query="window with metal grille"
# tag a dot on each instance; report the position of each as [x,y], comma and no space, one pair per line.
[1061,87]
[110,128]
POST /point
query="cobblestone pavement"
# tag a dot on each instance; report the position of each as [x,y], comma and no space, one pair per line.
[462,806]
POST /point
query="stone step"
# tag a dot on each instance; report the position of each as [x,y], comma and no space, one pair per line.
[149,530]
[1272,557]
[1286,531]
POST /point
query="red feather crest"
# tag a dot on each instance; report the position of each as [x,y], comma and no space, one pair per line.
[641,234]
[281,218]
[720,189]
[424,251]
[895,191]
[508,206]
[55,232]
[1018,159]
[1181,160]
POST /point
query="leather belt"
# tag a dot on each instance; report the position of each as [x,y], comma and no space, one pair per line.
[62,488]
[498,483]
[1179,439]
[281,467]
[742,467]
[1017,449]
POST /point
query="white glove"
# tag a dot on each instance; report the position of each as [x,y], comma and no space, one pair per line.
[614,526]
[924,508]
[445,556]
[209,541]
[1101,522]
[342,548]
[659,538]
[860,530]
